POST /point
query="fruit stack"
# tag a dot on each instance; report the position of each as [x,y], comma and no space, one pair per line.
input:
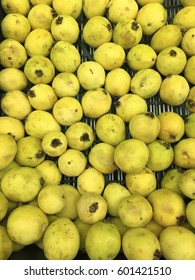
[97,129]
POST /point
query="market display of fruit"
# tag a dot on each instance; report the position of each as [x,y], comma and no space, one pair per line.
[97,129]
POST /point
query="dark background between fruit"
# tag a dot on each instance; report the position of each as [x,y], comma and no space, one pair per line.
[155,105]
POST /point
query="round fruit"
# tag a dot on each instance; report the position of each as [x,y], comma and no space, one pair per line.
[61,240]
[26,224]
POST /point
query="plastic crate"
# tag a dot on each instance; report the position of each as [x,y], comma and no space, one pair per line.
[155,105]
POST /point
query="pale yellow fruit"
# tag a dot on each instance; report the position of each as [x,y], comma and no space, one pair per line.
[110,55]
[39,70]
[16,6]
[190,101]
[177,243]
[171,61]
[99,9]
[26,224]
[131,155]
[189,70]
[68,7]
[79,136]
[105,248]
[65,57]
[110,129]
[91,75]
[39,41]
[141,244]
[174,90]
[49,171]
[40,122]
[6,244]
[187,183]
[170,180]
[66,84]
[29,151]
[190,208]
[96,102]
[12,79]
[41,15]
[117,82]
[68,53]
[83,229]
[172,126]
[117,10]
[145,127]
[42,97]
[142,183]
[71,196]
[190,125]
[101,157]
[90,180]
[141,56]
[8,150]
[67,110]
[12,102]
[135,211]
[168,35]
[96,31]
[12,126]
[21,184]
[184,153]
[154,227]
[188,42]
[129,105]
[113,194]
[51,199]
[161,155]
[91,207]
[61,240]
[3,205]
[72,162]
[146,83]
[185,18]
[15,26]
[12,54]
[127,33]
[54,143]
[168,207]
[65,27]
[151,17]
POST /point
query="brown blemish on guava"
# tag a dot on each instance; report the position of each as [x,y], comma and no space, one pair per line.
[167,145]
[40,154]
[59,20]
[173,53]
[135,26]
[180,220]
[117,104]
[109,27]
[39,72]
[157,254]
[191,103]
[55,143]
[150,115]
[31,93]
[85,137]
[93,207]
